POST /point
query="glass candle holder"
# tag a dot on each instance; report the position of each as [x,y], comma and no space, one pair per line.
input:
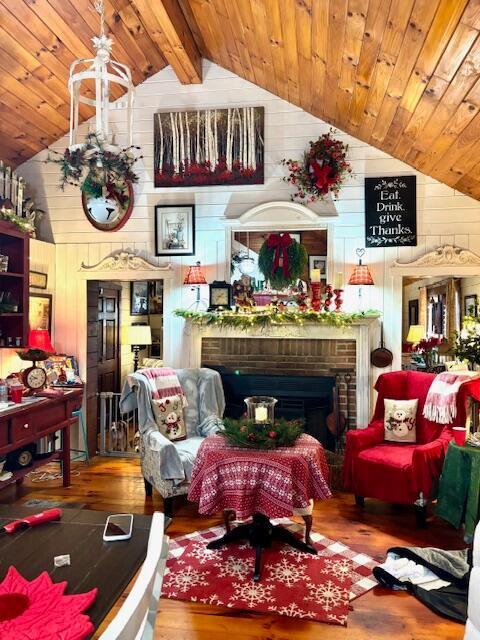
[261,409]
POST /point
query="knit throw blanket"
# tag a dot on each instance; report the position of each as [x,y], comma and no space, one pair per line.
[163,383]
[441,403]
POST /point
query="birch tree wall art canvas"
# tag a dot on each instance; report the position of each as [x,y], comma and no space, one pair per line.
[209,147]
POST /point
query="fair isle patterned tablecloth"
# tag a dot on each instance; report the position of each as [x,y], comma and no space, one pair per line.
[246,481]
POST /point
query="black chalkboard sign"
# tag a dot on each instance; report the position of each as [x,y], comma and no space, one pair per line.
[391,211]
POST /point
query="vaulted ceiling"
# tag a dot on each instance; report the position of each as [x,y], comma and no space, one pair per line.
[403,75]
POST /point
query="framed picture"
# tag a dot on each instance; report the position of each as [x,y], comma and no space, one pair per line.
[412,312]
[155,301]
[175,230]
[139,298]
[318,262]
[209,147]
[296,236]
[470,305]
[40,311]
[37,280]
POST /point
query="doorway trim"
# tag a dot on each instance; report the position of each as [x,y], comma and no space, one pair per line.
[126,266]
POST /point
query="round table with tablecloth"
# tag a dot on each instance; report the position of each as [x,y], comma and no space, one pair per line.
[275,483]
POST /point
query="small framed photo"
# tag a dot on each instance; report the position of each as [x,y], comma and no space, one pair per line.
[139,298]
[470,305]
[412,312]
[296,236]
[318,262]
[175,230]
[40,311]
[155,301]
[37,280]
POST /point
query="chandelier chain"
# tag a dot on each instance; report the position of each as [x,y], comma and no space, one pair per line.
[100,9]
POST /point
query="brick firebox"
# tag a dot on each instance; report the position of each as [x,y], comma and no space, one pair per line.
[293,357]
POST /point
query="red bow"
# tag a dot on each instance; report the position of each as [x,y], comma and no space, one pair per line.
[116,194]
[324,176]
[280,243]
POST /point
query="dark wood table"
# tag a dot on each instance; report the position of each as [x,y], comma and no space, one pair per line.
[23,424]
[109,566]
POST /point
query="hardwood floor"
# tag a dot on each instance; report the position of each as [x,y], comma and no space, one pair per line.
[111,484]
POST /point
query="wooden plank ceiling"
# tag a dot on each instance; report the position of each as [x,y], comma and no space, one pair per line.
[403,75]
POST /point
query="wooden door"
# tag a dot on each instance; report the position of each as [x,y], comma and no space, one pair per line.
[108,337]
[102,351]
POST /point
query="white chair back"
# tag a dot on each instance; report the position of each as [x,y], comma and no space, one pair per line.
[136,618]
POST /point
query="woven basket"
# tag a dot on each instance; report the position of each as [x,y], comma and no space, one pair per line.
[335,465]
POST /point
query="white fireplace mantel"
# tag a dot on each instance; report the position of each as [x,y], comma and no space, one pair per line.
[365,332]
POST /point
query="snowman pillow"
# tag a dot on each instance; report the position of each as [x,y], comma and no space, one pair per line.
[400,420]
[168,414]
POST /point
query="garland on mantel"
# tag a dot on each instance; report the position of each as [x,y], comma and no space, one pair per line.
[271,317]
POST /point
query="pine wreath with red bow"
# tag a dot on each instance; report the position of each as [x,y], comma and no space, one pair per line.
[323,170]
[282,260]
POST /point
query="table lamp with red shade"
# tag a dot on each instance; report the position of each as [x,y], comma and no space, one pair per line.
[40,339]
[39,348]
[195,278]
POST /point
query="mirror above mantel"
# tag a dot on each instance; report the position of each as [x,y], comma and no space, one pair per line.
[247,234]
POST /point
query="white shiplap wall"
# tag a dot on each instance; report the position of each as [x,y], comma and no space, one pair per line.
[444,215]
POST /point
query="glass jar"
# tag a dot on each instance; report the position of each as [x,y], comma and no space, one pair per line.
[3,263]
[261,409]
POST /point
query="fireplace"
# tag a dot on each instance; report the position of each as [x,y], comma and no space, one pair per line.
[300,373]
[306,397]
[309,350]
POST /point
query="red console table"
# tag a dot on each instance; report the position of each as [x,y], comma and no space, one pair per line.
[26,423]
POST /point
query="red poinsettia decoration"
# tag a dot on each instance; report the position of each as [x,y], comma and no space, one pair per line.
[323,170]
[427,344]
[38,610]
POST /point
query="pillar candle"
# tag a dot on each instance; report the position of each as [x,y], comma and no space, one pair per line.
[338,283]
[261,414]
[315,275]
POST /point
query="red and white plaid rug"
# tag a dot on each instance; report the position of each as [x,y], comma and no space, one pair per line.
[292,583]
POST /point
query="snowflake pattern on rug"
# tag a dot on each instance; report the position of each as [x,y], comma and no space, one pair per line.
[301,586]
[203,554]
[360,581]
[185,579]
[340,568]
[328,594]
[234,567]
[251,593]
[286,572]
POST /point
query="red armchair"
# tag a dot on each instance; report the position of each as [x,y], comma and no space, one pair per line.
[401,473]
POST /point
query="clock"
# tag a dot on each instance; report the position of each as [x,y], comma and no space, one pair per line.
[220,295]
[110,208]
[34,378]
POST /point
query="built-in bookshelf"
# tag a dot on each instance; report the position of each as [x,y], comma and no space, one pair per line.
[14,285]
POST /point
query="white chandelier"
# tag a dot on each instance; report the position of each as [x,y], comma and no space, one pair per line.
[104,72]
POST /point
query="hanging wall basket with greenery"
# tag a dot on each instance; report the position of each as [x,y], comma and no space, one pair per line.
[282,260]
[94,166]
[323,170]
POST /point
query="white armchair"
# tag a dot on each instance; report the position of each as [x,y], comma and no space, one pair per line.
[167,466]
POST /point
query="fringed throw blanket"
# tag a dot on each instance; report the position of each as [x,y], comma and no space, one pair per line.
[163,383]
[441,403]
